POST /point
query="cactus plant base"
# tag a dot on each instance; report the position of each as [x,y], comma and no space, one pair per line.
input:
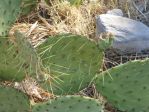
[128,88]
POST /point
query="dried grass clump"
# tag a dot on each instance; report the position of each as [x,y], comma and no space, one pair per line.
[71,19]
[60,17]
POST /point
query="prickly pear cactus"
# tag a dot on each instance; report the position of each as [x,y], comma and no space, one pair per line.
[26,49]
[28,53]
[69,104]
[72,61]
[9,10]
[128,88]
[11,65]
[17,59]
[15,101]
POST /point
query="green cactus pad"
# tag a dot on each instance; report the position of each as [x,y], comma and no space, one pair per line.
[28,53]
[11,65]
[72,61]
[12,100]
[9,10]
[69,104]
[17,59]
[26,49]
[128,88]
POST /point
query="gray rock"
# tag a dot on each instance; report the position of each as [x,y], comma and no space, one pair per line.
[130,36]
[117,12]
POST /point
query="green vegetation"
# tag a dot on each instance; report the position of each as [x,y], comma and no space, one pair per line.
[69,104]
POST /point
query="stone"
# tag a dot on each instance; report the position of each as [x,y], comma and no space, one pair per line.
[130,36]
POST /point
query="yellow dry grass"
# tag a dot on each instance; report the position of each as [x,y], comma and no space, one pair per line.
[60,17]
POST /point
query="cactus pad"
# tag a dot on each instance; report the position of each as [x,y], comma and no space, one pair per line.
[17,59]
[72,61]
[11,65]
[69,104]
[9,10]
[128,89]
[12,100]
[28,53]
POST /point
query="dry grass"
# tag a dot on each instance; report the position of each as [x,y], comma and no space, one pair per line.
[60,17]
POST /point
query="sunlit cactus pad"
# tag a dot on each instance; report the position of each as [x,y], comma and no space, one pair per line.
[11,64]
[17,58]
[28,53]
[129,90]
[9,11]
[72,61]
[69,104]
[12,100]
